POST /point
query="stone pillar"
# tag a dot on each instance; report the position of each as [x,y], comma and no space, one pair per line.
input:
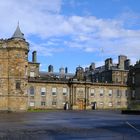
[70,95]
[73,95]
[86,90]
[87,105]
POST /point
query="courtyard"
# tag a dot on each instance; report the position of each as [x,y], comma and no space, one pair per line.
[69,125]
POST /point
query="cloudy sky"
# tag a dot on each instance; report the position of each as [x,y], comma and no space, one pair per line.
[69,33]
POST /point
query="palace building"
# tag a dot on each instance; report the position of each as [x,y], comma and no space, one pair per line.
[24,86]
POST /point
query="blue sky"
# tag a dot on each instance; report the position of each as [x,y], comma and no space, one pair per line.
[69,33]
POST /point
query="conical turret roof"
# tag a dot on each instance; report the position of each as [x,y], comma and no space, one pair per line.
[18,33]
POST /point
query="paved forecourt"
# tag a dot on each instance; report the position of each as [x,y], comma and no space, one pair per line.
[70,125]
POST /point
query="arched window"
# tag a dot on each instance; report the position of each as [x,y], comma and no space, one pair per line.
[32,91]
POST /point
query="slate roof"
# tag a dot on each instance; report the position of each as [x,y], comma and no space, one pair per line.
[55,75]
[18,34]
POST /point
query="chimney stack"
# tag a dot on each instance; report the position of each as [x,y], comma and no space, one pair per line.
[50,68]
[92,66]
[61,70]
[108,64]
[34,57]
[66,70]
[122,59]
[127,64]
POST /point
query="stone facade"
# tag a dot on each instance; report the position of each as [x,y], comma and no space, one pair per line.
[110,72]
[78,95]
[134,84]
[47,95]
[23,86]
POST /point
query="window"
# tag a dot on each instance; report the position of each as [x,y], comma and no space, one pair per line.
[117,80]
[54,91]
[117,73]
[133,80]
[32,98]
[119,103]
[64,91]
[32,104]
[43,103]
[43,91]
[18,83]
[125,80]
[103,79]
[110,93]
[118,93]
[54,103]
[31,91]
[32,74]
[92,92]
[101,92]
[133,93]
[64,94]
[26,70]
[110,104]
[101,103]
[126,93]
[26,55]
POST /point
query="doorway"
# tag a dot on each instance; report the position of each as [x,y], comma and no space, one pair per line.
[80,104]
[94,105]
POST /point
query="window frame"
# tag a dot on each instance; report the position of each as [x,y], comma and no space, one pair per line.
[119,93]
[18,85]
[32,102]
[54,89]
[32,91]
[92,92]
[54,103]
[32,74]
[110,93]
[43,91]
[43,103]
[64,91]
[101,92]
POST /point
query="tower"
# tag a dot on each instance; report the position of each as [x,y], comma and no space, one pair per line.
[14,78]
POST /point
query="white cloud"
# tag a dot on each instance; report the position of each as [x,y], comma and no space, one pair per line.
[87,33]
[44,49]
[130,18]
[32,15]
